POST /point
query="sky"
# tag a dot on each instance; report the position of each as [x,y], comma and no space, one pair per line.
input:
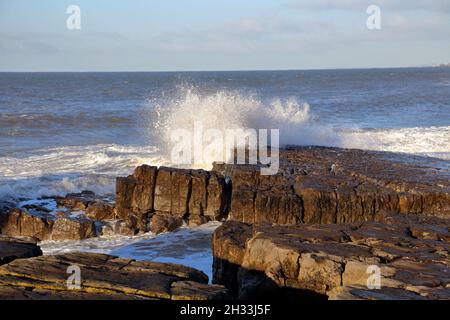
[202,35]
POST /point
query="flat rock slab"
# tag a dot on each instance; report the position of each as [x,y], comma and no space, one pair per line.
[103,277]
[333,185]
[410,253]
[17,248]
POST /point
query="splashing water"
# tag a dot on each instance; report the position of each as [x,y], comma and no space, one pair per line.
[224,110]
[228,110]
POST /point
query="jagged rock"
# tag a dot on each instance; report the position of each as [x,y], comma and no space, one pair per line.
[190,290]
[22,223]
[103,277]
[182,193]
[35,207]
[195,220]
[135,197]
[135,193]
[216,197]
[331,185]
[110,228]
[100,210]
[199,193]
[77,201]
[69,229]
[172,191]
[164,222]
[17,248]
[333,260]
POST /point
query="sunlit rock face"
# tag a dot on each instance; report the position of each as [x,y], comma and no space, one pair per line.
[103,277]
[411,254]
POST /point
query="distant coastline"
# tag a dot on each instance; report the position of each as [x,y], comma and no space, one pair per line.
[443,65]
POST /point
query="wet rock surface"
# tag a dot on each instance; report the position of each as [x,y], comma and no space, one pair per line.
[164,222]
[310,231]
[313,185]
[77,216]
[331,185]
[100,210]
[103,277]
[21,222]
[198,196]
[69,229]
[77,201]
[17,248]
[336,261]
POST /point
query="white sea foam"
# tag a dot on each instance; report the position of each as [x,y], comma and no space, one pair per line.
[229,110]
[57,171]
[225,110]
[425,141]
[188,246]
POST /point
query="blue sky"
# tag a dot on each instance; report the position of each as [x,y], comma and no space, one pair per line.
[169,35]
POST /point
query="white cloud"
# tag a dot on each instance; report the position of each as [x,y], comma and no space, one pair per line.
[358,5]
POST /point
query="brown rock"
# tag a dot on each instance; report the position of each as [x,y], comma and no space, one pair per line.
[17,248]
[110,228]
[313,185]
[76,201]
[331,185]
[100,210]
[199,194]
[21,223]
[176,191]
[190,290]
[103,277]
[124,195]
[69,229]
[164,222]
[135,197]
[334,261]
[172,191]
[195,220]
[142,200]
[216,197]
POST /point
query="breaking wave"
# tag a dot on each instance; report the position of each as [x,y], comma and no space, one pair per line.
[57,171]
[228,110]
[425,141]
[231,110]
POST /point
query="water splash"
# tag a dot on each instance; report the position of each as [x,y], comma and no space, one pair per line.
[224,110]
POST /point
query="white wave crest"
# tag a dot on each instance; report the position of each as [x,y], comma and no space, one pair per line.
[231,110]
[57,171]
[224,110]
[425,141]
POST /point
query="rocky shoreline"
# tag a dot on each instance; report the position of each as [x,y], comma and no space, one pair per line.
[335,261]
[311,231]
[31,276]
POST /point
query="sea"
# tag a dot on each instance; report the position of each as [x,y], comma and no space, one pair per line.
[68,132]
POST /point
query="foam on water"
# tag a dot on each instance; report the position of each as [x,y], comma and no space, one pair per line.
[224,110]
[57,171]
[187,246]
[428,141]
[81,111]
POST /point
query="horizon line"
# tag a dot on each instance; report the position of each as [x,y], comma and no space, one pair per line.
[223,70]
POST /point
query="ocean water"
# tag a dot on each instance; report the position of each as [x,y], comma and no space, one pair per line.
[66,132]
[186,246]
[63,132]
